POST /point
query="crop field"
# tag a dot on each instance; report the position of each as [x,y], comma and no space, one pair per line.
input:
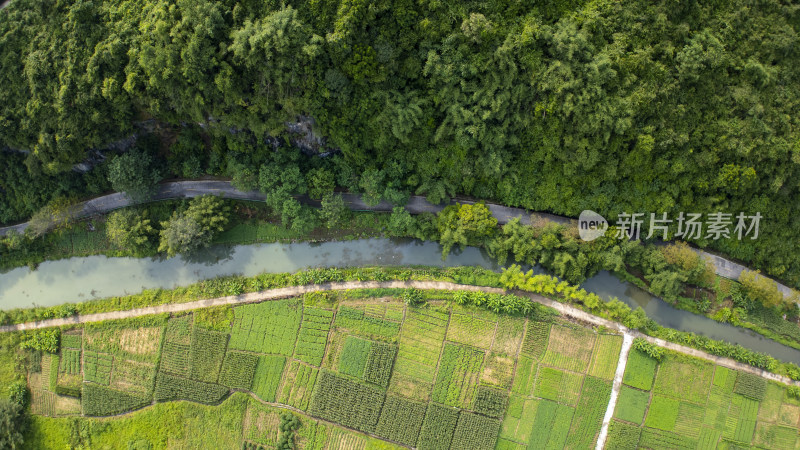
[267,327]
[694,404]
[470,330]
[569,348]
[434,377]
[458,376]
[605,356]
[313,335]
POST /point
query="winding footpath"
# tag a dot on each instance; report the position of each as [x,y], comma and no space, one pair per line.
[416,205]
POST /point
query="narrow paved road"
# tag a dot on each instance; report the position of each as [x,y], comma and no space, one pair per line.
[416,205]
[627,340]
[292,291]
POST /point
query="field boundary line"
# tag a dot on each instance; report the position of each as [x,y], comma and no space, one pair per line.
[293,291]
[627,341]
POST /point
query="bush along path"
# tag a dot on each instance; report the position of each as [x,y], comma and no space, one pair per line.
[416,205]
[293,291]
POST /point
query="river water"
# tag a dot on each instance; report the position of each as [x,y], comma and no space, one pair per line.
[86,278]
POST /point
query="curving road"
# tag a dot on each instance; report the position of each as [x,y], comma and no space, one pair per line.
[415,205]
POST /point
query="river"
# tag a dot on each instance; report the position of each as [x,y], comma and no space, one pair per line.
[86,278]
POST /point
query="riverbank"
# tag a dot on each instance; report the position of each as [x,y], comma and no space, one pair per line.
[415,205]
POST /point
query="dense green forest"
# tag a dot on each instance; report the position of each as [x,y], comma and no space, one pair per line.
[554,106]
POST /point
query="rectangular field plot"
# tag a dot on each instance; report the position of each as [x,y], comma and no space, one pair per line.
[475,432]
[510,331]
[384,310]
[175,358]
[498,370]
[401,420]
[421,343]
[71,340]
[298,385]
[775,436]
[70,361]
[267,378]
[640,370]
[558,385]
[354,356]
[97,367]
[379,363]
[518,423]
[267,327]
[438,427]
[458,376]
[658,439]
[410,388]
[684,378]
[588,418]
[551,425]
[623,436]
[534,344]
[135,339]
[569,348]
[313,335]
[238,370]
[525,376]
[605,356]
[261,424]
[346,402]
[133,376]
[470,330]
[358,322]
[631,405]
[207,353]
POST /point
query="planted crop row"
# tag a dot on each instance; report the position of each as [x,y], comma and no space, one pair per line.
[458,375]
[379,363]
[354,355]
[558,385]
[490,402]
[752,386]
[437,428]
[313,335]
[605,356]
[179,329]
[207,353]
[352,404]
[421,343]
[356,321]
[70,361]
[175,358]
[551,425]
[401,420]
[267,376]
[298,386]
[238,370]
[534,344]
[134,375]
[97,367]
[623,436]
[169,387]
[653,438]
[267,327]
[101,401]
[471,330]
[589,413]
[71,341]
[475,432]
[639,370]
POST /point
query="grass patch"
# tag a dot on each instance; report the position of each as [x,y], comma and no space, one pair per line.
[631,405]
[640,370]
[663,413]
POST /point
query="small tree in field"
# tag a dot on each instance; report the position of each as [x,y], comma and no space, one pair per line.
[128,229]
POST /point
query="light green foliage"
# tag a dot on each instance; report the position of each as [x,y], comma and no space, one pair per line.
[623,436]
[663,413]
[267,327]
[46,340]
[640,370]
[457,379]
[535,342]
[195,227]
[421,341]
[356,321]
[313,335]
[102,401]
[298,385]
[588,418]
[632,404]
[605,356]
[267,377]
[557,385]
[97,367]
[464,225]
[551,425]
[760,288]
[684,378]
[354,356]
[129,230]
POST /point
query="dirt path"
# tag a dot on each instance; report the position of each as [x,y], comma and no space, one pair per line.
[627,340]
[416,205]
[293,291]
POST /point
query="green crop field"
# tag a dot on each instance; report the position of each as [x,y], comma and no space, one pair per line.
[431,377]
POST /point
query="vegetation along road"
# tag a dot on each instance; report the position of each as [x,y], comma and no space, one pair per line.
[415,205]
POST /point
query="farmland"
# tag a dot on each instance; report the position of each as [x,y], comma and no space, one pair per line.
[373,373]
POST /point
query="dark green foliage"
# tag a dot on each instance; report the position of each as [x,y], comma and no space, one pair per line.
[474,431]
[68,391]
[347,402]
[13,424]
[750,385]
[490,402]
[646,347]
[71,341]
[169,387]
[288,426]
[135,174]
[623,436]
[101,401]
[438,427]
[401,420]
[195,227]
[129,230]
[238,370]
[379,363]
